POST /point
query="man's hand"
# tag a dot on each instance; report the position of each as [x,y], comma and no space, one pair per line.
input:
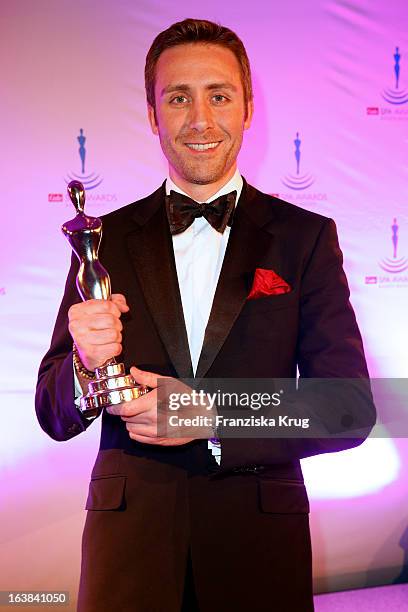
[96,329]
[140,415]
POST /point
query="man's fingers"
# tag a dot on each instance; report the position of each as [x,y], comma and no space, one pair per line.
[144,439]
[96,328]
[86,338]
[122,409]
[128,409]
[93,307]
[141,429]
[103,321]
[89,342]
[149,379]
[120,301]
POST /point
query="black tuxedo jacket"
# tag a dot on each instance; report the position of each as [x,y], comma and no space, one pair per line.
[312,327]
[148,505]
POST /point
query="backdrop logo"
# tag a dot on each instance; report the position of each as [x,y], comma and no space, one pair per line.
[298,181]
[89,181]
[396,95]
[393,266]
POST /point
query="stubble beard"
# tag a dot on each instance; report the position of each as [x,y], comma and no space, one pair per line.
[199,172]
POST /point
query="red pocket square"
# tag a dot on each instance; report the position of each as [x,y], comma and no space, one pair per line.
[267,282]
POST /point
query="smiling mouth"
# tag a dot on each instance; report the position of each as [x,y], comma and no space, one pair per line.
[202,146]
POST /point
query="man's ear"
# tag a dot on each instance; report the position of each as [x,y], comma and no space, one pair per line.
[151,113]
[250,112]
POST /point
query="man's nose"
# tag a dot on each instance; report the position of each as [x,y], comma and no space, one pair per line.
[201,116]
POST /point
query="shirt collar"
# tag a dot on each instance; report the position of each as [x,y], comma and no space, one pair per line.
[234,184]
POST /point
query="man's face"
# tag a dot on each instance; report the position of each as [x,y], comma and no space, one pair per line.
[200,111]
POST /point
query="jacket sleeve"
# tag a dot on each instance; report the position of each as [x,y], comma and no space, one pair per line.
[54,399]
[329,347]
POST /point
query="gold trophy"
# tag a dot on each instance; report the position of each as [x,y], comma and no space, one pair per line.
[111,384]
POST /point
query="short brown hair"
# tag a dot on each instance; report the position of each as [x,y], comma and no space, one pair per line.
[196,31]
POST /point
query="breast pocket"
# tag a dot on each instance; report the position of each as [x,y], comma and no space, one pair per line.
[270,303]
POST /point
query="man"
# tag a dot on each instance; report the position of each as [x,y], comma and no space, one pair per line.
[167,527]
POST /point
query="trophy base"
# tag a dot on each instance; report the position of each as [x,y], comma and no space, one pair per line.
[111,386]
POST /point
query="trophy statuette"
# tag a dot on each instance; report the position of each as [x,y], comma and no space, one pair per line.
[111,385]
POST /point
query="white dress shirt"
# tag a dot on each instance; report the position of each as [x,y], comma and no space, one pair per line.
[199,253]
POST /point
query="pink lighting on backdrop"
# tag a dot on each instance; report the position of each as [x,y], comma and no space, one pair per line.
[329,134]
[357,472]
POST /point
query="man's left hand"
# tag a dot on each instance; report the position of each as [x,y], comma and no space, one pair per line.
[140,414]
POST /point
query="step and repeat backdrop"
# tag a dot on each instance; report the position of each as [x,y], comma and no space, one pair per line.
[330,134]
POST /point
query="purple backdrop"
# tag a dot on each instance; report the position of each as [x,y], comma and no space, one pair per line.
[331,81]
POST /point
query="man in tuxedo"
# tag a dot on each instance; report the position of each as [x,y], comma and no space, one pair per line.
[212,279]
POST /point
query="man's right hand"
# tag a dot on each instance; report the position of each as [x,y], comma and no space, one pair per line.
[96,329]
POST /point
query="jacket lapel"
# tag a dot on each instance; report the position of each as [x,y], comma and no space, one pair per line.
[248,241]
[151,250]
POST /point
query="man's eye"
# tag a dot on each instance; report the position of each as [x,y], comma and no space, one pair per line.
[219,98]
[179,100]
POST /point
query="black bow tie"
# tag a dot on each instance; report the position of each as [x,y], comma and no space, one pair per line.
[182,210]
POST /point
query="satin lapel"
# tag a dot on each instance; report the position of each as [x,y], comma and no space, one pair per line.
[247,242]
[151,251]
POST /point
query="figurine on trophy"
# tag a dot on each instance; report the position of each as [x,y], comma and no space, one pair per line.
[110,384]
